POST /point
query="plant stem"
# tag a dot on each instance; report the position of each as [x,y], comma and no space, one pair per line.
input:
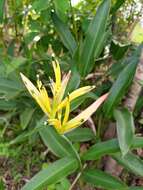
[77,177]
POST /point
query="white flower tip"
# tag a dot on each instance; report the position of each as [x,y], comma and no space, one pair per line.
[92,87]
[69,74]
[22,76]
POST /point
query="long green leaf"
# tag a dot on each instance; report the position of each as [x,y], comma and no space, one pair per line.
[2,2]
[93,38]
[10,84]
[7,105]
[98,49]
[65,34]
[74,80]
[10,88]
[61,8]
[116,6]
[52,174]
[100,149]
[57,143]
[122,83]
[28,134]
[15,64]
[118,50]
[26,117]
[80,135]
[101,179]
[125,129]
[108,148]
[131,162]
[2,186]
[40,5]
[136,188]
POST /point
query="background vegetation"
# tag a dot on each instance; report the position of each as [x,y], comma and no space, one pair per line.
[101,48]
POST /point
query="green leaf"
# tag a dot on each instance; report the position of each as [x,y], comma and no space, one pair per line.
[65,34]
[7,105]
[10,84]
[78,101]
[125,129]
[4,150]
[64,184]
[118,50]
[2,186]
[80,135]
[10,88]
[115,69]
[120,86]
[100,149]
[101,179]
[57,143]
[40,5]
[25,117]
[93,39]
[77,135]
[131,162]
[25,135]
[61,8]
[2,2]
[116,6]
[74,81]
[15,63]
[108,148]
[52,174]
[135,188]
[98,50]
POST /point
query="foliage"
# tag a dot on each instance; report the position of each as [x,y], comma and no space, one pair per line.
[85,40]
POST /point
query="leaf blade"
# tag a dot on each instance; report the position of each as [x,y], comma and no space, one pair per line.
[96,27]
[122,83]
[61,8]
[80,135]
[52,174]
[125,129]
[57,143]
[108,148]
[131,162]
[65,34]
[101,179]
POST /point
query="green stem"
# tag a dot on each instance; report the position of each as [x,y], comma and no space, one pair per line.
[77,177]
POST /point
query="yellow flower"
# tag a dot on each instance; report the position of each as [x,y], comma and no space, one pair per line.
[66,126]
[57,108]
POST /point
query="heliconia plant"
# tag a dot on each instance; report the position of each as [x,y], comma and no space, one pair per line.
[70,126]
[57,108]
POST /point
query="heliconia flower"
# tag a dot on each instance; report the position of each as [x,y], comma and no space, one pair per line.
[66,126]
[84,115]
[56,108]
[40,94]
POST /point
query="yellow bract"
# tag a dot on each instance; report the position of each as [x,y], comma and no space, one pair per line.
[56,108]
